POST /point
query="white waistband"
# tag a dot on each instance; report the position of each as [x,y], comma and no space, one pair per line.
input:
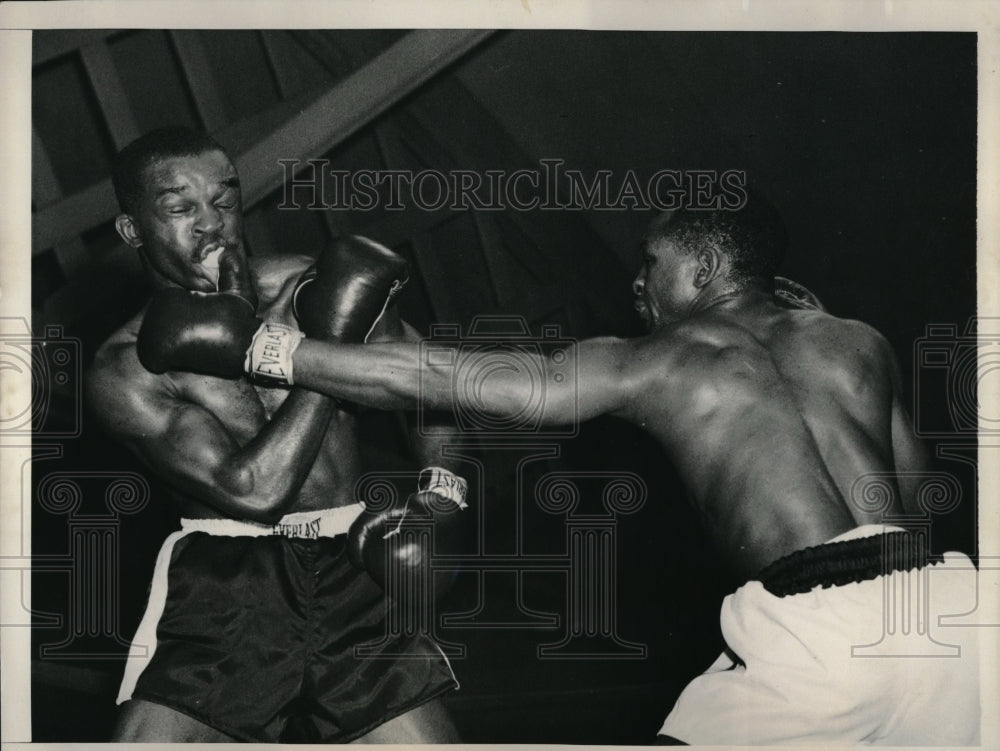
[308,525]
[866,530]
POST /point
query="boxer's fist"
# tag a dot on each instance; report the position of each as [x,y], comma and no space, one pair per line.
[217,334]
[374,543]
[791,294]
[342,296]
[198,332]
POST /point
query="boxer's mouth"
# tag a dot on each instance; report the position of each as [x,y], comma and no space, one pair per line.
[208,254]
[645,312]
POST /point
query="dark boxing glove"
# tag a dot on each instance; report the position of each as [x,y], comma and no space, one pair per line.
[373,542]
[348,289]
[194,331]
[216,333]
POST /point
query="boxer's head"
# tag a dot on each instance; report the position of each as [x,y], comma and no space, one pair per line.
[180,200]
[689,255]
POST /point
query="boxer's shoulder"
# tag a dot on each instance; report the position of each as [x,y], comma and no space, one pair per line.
[826,337]
[116,356]
[677,342]
[118,389]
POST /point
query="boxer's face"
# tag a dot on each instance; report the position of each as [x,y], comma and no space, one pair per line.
[664,288]
[189,212]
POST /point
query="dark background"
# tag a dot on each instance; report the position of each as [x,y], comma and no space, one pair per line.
[865,143]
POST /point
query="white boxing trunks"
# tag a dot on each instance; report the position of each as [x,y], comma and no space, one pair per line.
[842,643]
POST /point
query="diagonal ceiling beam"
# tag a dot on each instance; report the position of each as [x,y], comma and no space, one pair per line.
[48,44]
[353,103]
[346,107]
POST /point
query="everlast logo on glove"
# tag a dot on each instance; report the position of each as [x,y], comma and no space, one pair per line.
[269,358]
[446,484]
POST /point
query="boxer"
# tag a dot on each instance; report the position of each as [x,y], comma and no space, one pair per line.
[257,602]
[771,409]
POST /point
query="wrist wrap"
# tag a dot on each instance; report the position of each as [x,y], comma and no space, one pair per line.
[269,357]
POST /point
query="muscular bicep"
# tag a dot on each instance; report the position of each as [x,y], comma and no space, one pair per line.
[586,380]
[190,450]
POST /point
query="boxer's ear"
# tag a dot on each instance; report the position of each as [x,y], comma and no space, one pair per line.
[709,261]
[128,230]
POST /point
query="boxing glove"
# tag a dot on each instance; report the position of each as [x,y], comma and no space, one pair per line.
[343,295]
[791,294]
[198,332]
[374,542]
[216,333]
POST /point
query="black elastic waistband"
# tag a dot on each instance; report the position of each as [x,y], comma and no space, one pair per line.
[836,563]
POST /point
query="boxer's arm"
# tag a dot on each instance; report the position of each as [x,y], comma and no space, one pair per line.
[393,376]
[427,446]
[186,445]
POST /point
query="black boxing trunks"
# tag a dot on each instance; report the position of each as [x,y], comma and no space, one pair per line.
[253,629]
[847,643]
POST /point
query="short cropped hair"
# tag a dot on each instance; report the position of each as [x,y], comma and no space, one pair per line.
[163,143]
[753,237]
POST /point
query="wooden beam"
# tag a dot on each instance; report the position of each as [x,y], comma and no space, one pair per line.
[282,79]
[325,50]
[120,269]
[198,72]
[286,80]
[111,96]
[45,188]
[559,234]
[48,44]
[72,215]
[333,116]
[429,264]
[353,103]
[71,253]
[258,234]
[95,205]
[505,284]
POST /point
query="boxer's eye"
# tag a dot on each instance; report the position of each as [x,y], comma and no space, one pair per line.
[228,200]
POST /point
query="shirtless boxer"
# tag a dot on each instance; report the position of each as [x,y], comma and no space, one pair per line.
[770,409]
[254,611]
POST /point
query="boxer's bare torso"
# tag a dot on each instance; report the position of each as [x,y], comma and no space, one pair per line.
[162,417]
[771,416]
